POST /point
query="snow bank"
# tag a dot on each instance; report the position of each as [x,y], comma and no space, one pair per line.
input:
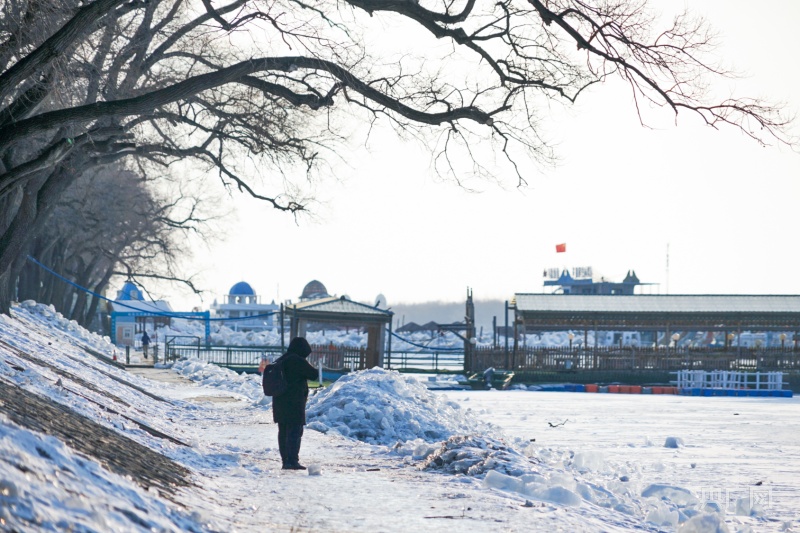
[383,407]
[46,316]
[49,488]
[210,375]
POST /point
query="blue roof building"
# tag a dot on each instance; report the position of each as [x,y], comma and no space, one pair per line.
[244,310]
[566,284]
[131,315]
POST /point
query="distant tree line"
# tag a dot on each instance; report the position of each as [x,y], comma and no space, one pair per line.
[108,222]
[100,95]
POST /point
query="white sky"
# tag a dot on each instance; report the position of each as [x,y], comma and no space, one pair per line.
[622,192]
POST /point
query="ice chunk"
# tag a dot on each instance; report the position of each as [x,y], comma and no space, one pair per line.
[589,461]
[747,506]
[496,480]
[673,442]
[704,523]
[555,494]
[677,495]
[661,515]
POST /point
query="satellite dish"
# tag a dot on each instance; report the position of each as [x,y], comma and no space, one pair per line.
[380,301]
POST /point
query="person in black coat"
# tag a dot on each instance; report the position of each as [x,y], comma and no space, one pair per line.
[145,343]
[289,409]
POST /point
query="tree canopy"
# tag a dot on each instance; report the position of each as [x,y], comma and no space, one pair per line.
[246,87]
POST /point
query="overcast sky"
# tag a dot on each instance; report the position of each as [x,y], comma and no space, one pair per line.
[725,207]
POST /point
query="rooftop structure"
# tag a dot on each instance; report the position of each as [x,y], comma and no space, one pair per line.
[244,310]
[583,282]
[313,291]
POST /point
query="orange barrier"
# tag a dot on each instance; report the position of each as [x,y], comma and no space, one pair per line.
[635,389]
[592,388]
[625,389]
[613,388]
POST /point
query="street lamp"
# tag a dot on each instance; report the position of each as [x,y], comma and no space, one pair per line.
[675,338]
[570,336]
[782,337]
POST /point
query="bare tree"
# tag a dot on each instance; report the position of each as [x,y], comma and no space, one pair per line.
[108,223]
[244,84]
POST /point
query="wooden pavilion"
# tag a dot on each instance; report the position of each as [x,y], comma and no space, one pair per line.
[339,312]
[731,314]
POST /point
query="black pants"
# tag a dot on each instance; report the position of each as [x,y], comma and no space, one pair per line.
[289,437]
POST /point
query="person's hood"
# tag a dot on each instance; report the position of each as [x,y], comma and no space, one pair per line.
[299,346]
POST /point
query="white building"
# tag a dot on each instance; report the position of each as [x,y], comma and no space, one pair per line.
[244,310]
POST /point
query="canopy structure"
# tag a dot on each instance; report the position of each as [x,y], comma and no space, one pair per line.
[339,312]
[548,312]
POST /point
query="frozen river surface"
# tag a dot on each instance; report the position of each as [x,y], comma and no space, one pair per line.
[728,448]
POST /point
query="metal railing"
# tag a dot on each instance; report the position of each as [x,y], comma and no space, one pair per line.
[227,356]
[427,360]
[547,359]
[636,358]
[723,379]
[247,358]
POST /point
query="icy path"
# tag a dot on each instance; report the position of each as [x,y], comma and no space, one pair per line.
[361,488]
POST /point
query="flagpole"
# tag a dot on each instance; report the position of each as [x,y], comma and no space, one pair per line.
[667,268]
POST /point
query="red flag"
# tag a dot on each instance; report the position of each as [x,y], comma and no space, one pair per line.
[561,248]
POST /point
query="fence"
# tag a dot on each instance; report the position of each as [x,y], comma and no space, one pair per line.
[247,358]
[427,361]
[340,358]
[635,358]
[549,362]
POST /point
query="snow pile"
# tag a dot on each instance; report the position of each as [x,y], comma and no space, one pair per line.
[220,335]
[210,375]
[382,407]
[46,316]
[475,456]
[45,483]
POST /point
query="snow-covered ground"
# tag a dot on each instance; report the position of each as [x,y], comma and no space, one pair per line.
[387,454]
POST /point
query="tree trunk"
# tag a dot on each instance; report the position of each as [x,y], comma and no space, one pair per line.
[38,200]
[84,279]
[95,303]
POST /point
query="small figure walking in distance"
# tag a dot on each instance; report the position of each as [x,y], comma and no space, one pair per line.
[145,343]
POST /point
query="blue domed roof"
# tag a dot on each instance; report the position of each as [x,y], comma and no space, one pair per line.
[129,292]
[242,289]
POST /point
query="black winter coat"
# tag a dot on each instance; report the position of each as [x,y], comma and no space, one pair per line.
[290,407]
